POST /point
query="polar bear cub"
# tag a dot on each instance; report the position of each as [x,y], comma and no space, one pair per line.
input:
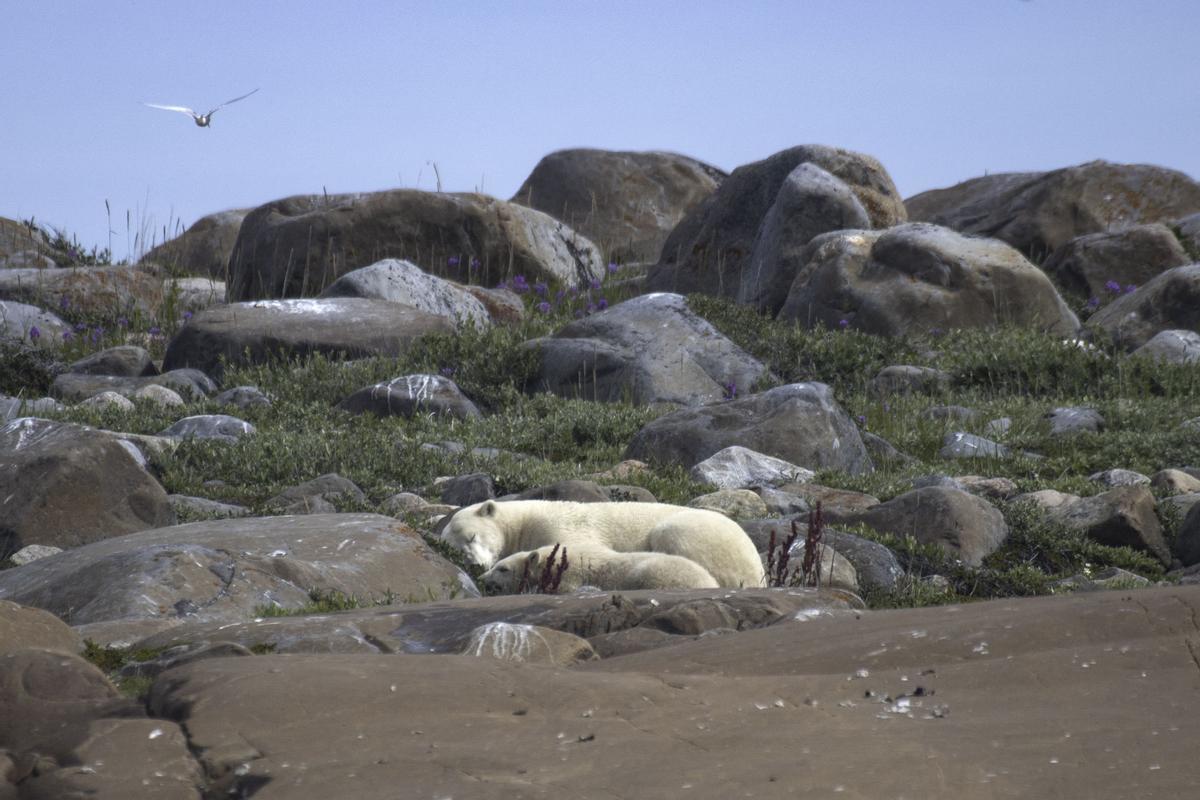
[487,532]
[604,569]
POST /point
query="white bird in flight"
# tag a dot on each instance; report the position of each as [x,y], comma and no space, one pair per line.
[200,119]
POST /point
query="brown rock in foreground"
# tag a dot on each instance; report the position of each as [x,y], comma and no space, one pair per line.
[1048,697]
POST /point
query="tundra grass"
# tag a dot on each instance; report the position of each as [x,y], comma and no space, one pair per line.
[1014,374]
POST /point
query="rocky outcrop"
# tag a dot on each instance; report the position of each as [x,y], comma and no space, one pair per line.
[1038,212]
[298,246]
[712,247]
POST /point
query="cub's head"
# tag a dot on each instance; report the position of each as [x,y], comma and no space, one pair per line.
[475,531]
[505,575]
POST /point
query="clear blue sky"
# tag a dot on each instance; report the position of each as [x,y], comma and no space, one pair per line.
[359,96]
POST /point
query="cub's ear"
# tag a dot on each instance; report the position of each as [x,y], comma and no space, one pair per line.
[488,509]
[534,558]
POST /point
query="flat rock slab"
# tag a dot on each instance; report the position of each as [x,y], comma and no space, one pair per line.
[255,332]
[1045,697]
[223,570]
[447,627]
[22,627]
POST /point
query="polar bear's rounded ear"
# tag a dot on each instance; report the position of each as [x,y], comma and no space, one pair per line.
[533,559]
[488,509]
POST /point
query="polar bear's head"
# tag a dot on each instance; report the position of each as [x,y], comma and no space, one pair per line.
[476,531]
[505,575]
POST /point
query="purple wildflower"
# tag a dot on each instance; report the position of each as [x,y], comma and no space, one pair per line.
[34,333]
[187,315]
[155,330]
[67,336]
[1113,287]
[843,323]
[519,285]
[80,327]
[595,283]
[601,304]
[560,294]
[452,261]
[123,322]
[1093,303]
[96,334]
[730,390]
[591,308]
[543,307]
[64,302]
[541,288]
[579,313]
[861,420]
[475,264]
[447,371]
[503,284]
[1130,289]
[613,267]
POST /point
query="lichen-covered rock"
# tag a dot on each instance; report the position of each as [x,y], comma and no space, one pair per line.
[1037,212]
[917,277]
[712,246]
[625,202]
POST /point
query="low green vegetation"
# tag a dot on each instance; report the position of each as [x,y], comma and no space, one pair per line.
[1015,374]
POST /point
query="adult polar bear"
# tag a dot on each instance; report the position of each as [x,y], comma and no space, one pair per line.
[487,532]
[601,568]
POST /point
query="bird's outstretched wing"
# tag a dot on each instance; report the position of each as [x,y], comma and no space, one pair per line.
[234,100]
[180,109]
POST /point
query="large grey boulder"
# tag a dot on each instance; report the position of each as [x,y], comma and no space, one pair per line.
[404,282]
[22,322]
[1038,212]
[204,248]
[1131,256]
[801,423]
[224,571]
[650,349]
[810,202]
[1121,517]
[917,277]
[65,485]
[23,627]
[1173,347]
[968,527]
[712,246]
[260,331]
[300,245]
[625,202]
[1170,301]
